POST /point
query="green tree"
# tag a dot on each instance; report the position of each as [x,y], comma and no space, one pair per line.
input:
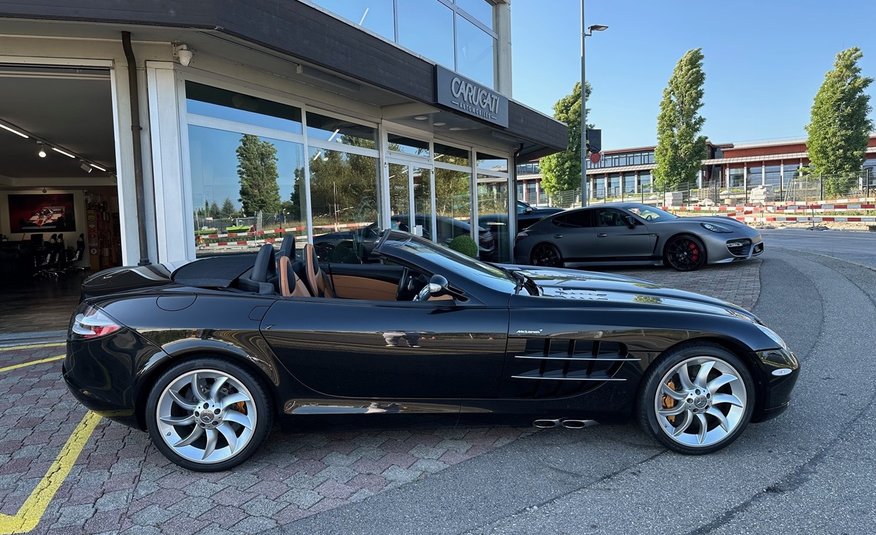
[562,171]
[214,210]
[257,170]
[343,185]
[839,128]
[680,149]
[227,211]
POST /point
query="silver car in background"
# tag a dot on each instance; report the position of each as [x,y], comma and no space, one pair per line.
[633,233]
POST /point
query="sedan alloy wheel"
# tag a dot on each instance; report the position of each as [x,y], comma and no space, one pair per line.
[545,254]
[685,253]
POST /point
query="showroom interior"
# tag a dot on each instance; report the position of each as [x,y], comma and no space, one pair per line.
[247,121]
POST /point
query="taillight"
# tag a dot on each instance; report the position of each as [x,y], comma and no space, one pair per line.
[93,324]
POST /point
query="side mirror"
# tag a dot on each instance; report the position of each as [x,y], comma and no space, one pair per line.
[527,210]
[437,285]
[631,221]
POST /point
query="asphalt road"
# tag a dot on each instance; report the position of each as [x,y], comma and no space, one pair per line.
[859,247]
[809,471]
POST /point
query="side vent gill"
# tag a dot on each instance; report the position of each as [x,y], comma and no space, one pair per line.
[567,367]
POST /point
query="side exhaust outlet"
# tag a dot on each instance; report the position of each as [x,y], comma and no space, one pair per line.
[545,423]
[577,424]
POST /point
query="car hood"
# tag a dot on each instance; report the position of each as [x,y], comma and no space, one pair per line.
[626,291]
[720,220]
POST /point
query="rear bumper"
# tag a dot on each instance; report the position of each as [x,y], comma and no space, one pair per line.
[100,374]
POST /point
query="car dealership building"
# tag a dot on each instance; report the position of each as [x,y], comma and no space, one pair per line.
[168,130]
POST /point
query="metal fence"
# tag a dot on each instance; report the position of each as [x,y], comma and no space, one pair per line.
[796,190]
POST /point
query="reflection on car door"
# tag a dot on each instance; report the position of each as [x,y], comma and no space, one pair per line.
[389,349]
[573,235]
[616,240]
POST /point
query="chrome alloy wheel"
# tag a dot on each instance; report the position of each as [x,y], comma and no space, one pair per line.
[206,416]
[701,401]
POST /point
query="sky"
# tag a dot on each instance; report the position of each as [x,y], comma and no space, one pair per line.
[764,60]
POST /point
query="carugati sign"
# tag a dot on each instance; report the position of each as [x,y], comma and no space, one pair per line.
[460,93]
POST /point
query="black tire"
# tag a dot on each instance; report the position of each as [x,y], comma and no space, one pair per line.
[258,404]
[546,254]
[665,429]
[684,253]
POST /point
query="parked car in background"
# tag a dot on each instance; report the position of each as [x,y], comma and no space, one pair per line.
[528,214]
[205,358]
[356,245]
[635,233]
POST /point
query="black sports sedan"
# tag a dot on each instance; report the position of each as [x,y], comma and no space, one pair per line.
[208,356]
[633,233]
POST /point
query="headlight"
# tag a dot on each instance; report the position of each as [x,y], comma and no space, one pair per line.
[715,227]
[772,334]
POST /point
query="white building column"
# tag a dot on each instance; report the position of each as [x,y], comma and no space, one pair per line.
[502,25]
[169,137]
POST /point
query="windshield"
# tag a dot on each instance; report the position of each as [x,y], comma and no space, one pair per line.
[649,213]
[447,261]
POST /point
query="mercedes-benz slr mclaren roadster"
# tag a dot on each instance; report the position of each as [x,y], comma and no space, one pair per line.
[208,356]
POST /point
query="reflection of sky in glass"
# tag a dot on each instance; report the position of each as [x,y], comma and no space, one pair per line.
[375,15]
[242,116]
[340,131]
[474,52]
[492,163]
[478,9]
[426,27]
[213,157]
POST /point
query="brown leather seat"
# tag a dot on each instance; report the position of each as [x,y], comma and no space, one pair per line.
[290,284]
[316,280]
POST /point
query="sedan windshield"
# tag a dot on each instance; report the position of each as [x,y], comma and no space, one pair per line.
[649,213]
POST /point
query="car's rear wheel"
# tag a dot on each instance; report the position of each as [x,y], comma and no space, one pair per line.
[697,399]
[685,253]
[546,254]
[208,414]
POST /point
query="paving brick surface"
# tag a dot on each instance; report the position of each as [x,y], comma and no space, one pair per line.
[121,484]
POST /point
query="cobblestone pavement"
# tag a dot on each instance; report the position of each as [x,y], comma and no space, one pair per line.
[120,483]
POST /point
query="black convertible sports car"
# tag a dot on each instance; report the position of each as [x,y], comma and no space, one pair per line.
[207,356]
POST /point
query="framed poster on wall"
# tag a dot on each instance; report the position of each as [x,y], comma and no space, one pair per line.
[40,213]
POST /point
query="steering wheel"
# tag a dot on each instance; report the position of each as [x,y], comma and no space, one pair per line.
[406,285]
[423,294]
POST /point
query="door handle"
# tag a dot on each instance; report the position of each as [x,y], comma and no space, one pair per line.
[602,235]
[558,236]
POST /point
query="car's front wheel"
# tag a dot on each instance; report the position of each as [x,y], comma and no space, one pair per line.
[697,399]
[208,414]
[685,253]
[546,254]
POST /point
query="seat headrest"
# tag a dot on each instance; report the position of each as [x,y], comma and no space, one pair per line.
[265,268]
[287,248]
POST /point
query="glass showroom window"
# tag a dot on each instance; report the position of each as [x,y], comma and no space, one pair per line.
[343,196]
[493,209]
[374,15]
[474,52]
[247,169]
[426,27]
[452,192]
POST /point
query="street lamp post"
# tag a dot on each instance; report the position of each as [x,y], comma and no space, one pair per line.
[584,34]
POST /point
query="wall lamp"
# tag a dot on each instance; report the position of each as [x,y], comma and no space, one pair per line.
[182,53]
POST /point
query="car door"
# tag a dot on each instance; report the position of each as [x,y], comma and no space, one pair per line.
[390,349]
[615,240]
[573,235]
